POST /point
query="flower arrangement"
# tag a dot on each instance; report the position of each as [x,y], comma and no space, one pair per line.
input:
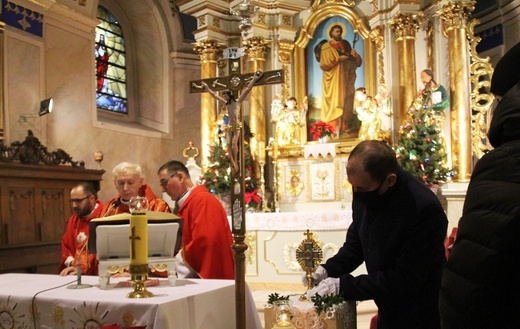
[320,129]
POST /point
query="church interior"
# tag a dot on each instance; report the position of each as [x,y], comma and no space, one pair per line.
[143,81]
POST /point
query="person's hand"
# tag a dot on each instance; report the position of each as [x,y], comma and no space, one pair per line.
[318,276]
[326,287]
[68,271]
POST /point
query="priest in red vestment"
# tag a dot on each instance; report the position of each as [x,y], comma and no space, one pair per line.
[206,235]
[85,206]
[128,181]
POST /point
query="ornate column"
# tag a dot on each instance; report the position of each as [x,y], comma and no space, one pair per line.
[209,51]
[256,51]
[455,16]
[405,26]
[377,37]
[285,49]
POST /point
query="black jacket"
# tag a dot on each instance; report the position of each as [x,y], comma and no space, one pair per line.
[401,241]
[481,281]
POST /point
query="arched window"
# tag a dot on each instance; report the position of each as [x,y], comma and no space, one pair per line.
[111,92]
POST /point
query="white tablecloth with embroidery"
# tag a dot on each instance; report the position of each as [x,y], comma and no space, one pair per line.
[191,304]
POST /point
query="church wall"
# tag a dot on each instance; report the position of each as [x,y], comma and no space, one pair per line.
[24,84]
[61,65]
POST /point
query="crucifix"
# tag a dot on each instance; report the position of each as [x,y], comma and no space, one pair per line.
[235,87]
[133,237]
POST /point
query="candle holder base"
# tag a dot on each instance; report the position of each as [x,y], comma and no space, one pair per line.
[138,282]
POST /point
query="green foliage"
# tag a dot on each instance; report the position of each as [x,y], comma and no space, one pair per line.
[420,148]
[322,303]
[274,297]
[217,177]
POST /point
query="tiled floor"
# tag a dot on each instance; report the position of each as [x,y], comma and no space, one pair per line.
[261,291]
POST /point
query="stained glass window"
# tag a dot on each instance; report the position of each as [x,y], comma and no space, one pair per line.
[110,64]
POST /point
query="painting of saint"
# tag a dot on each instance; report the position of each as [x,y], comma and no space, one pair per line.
[335,71]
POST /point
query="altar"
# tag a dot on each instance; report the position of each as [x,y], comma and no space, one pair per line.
[43,301]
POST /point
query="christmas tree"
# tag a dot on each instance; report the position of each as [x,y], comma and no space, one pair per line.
[217,175]
[420,148]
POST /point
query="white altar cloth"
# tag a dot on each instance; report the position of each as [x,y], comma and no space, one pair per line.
[315,150]
[299,221]
[193,304]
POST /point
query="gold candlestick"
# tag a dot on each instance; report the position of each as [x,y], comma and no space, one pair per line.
[139,247]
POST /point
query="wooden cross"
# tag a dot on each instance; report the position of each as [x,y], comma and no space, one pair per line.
[233,84]
[133,237]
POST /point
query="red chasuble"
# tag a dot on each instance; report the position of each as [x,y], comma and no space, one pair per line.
[75,239]
[114,206]
[206,236]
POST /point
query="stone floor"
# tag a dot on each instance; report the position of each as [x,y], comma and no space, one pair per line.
[262,290]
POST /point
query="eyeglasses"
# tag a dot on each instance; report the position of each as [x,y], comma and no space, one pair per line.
[163,182]
[79,200]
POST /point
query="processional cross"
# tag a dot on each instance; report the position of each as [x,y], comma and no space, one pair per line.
[236,86]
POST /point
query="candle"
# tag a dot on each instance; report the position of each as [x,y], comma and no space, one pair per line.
[261,151]
[138,239]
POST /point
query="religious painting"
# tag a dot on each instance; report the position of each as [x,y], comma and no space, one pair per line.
[335,69]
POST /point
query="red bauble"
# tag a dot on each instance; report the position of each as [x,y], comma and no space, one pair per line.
[428,139]
[425,178]
[215,180]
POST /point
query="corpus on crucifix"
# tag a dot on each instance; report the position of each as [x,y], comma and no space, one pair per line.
[233,107]
[231,85]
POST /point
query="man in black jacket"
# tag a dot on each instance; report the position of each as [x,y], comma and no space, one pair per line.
[481,281]
[398,230]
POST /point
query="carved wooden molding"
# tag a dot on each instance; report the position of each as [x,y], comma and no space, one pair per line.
[32,152]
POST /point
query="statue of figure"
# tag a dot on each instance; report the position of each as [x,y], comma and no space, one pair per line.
[367,111]
[291,122]
[433,94]
[434,97]
[276,108]
[233,109]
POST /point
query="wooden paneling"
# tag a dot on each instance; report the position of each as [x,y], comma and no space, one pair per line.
[34,209]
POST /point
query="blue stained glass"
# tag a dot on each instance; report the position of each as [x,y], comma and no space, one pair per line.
[110,55]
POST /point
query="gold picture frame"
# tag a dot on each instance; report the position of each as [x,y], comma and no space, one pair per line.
[314,31]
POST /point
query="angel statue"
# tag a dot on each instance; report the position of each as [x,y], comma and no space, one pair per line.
[291,123]
[369,110]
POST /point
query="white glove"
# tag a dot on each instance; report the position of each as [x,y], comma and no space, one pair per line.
[318,276]
[326,287]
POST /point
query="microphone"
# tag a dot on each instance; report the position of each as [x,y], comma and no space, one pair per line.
[78,284]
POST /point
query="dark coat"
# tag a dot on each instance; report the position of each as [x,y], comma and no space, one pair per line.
[481,281]
[401,241]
